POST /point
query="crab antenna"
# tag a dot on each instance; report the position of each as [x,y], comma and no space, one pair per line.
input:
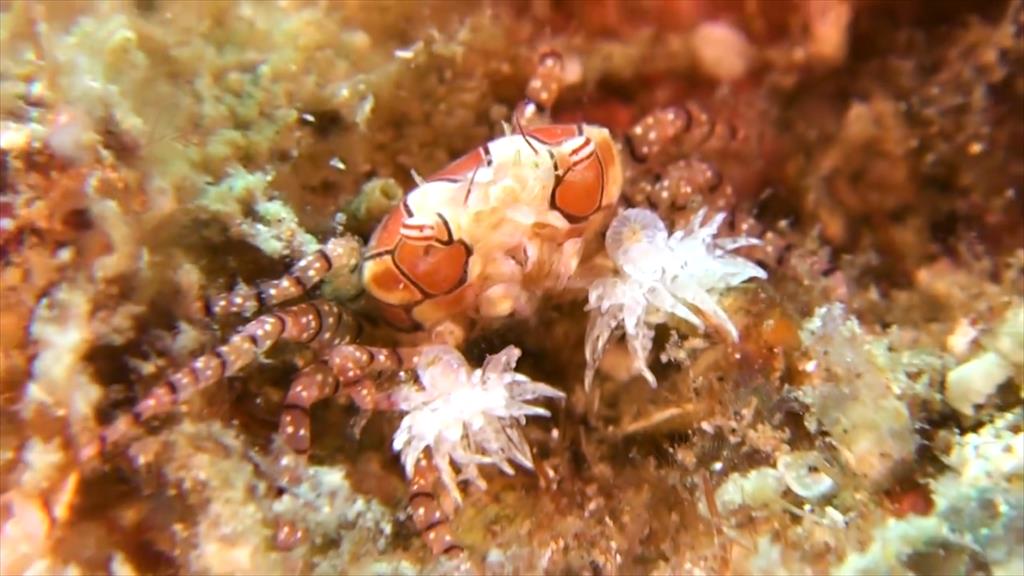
[469,186]
[519,126]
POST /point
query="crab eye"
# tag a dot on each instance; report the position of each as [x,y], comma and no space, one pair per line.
[434,269]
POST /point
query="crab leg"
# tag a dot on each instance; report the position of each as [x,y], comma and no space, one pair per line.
[355,366]
[428,517]
[318,324]
[352,370]
[543,88]
[303,276]
[656,130]
[313,383]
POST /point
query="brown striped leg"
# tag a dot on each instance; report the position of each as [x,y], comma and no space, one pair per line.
[314,383]
[349,369]
[689,122]
[542,90]
[353,364]
[319,324]
[430,520]
[359,369]
[303,276]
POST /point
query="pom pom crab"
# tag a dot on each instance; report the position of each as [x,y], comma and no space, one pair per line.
[480,240]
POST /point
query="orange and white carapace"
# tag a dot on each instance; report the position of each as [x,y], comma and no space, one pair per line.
[487,235]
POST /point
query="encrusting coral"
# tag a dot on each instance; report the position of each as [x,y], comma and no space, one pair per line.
[979,512]
[855,395]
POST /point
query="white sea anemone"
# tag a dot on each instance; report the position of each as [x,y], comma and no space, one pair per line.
[660,276]
[467,416]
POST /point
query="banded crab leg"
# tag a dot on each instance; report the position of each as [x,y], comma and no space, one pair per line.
[302,277]
[655,131]
[648,136]
[542,89]
[429,517]
[355,370]
[320,324]
[352,370]
[430,520]
[312,384]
